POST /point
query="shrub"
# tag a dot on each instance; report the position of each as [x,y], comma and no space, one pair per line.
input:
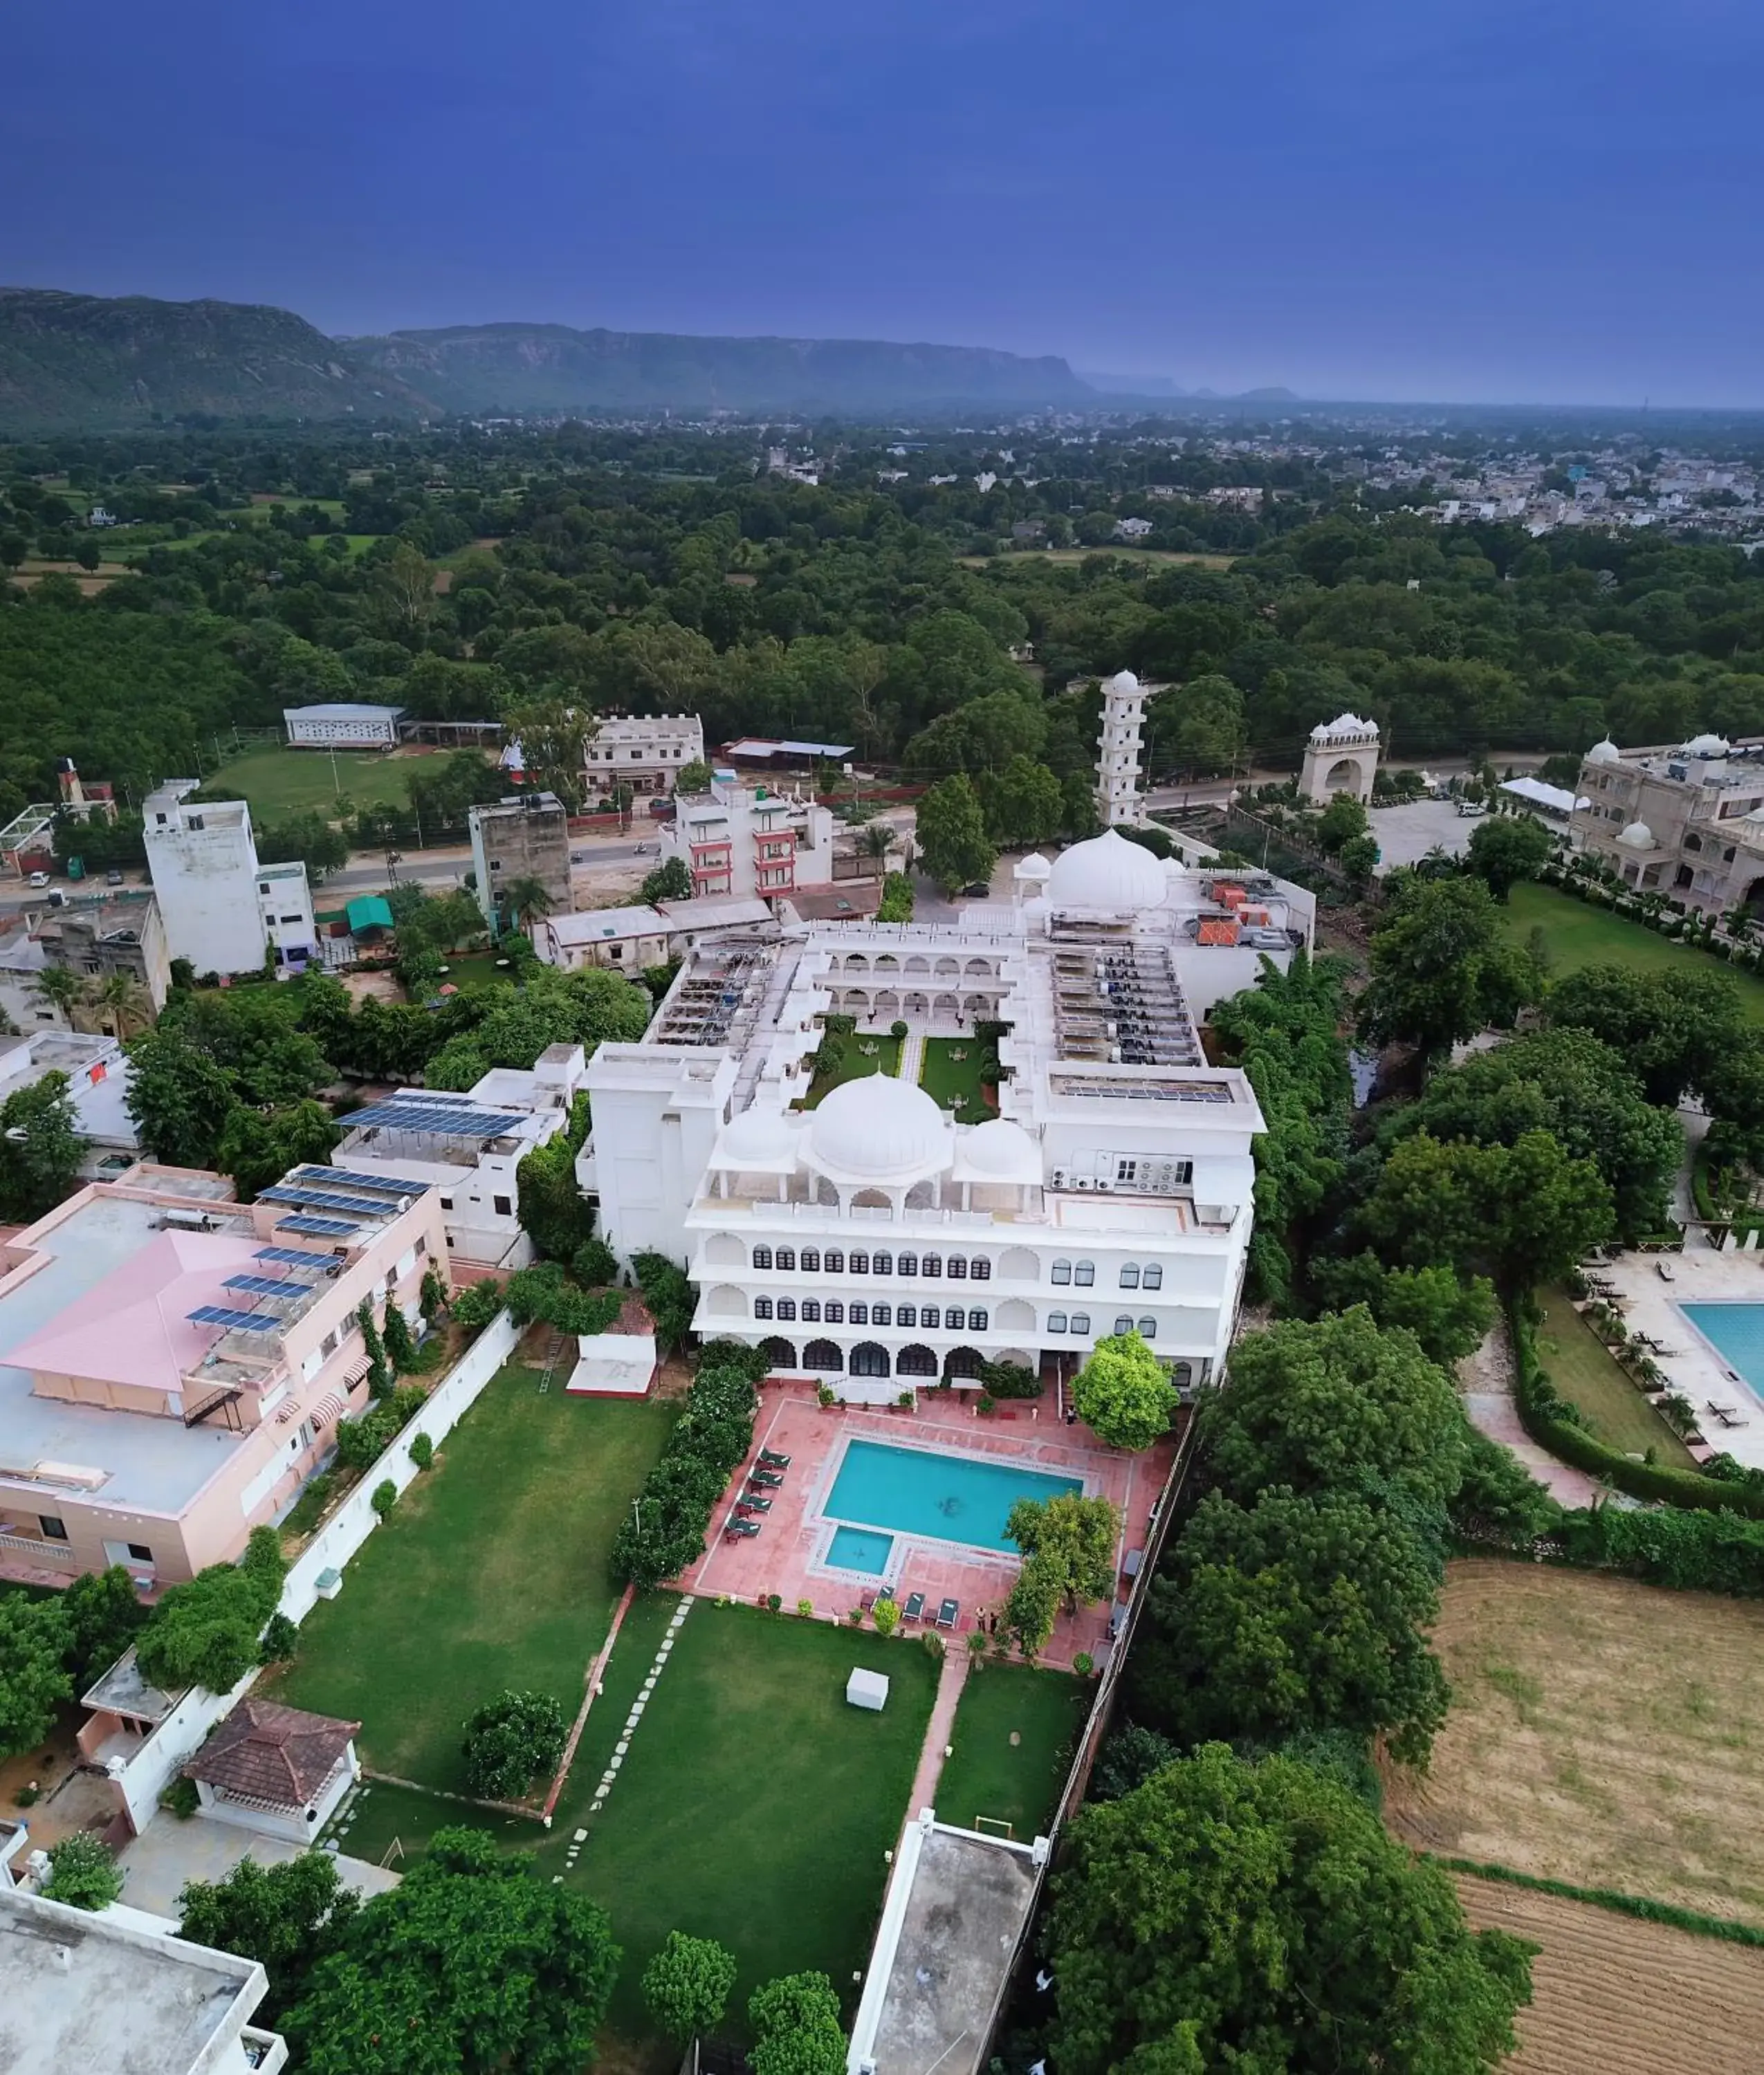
[379,1377]
[711,1437]
[361,1443]
[510,1739]
[475,1306]
[433,1298]
[805,1609]
[400,1349]
[546,1293]
[824,1394]
[594,1263]
[385,1497]
[886,1616]
[796,2029]
[687,1986]
[1083,1664]
[204,1633]
[180,1799]
[774,1603]
[668,1296]
[82,1872]
[308,1509]
[281,1638]
[422,1451]
[1004,1379]
[898,1027]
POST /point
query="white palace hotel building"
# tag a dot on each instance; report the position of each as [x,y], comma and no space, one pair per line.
[873,1243]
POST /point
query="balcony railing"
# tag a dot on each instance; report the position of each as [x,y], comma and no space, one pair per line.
[51,1556]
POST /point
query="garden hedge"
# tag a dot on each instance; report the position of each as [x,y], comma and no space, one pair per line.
[709,1441]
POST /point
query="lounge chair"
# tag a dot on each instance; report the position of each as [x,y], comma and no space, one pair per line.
[753,1505]
[914,1608]
[949,1613]
[741,1529]
[866,1600]
[1662,1271]
[766,1480]
[772,1459]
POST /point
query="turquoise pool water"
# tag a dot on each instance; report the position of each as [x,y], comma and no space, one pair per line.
[860,1549]
[1736,1331]
[947,1498]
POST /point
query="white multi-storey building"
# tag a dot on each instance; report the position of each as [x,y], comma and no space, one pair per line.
[875,1240]
[646,751]
[741,844]
[222,909]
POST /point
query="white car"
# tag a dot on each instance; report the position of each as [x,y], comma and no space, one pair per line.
[38,879]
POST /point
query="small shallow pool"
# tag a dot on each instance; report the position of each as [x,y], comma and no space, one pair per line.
[1736,1331]
[860,1549]
[936,1496]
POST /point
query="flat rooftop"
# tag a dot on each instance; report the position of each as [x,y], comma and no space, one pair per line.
[79,1992]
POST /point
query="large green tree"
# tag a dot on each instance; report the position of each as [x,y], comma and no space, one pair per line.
[36,1641]
[1442,970]
[1507,849]
[1259,1918]
[1677,1031]
[951,827]
[796,2029]
[687,1986]
[1123,1393]
[178,1097]
[287,1917]
[40,1149]
[1451,1318]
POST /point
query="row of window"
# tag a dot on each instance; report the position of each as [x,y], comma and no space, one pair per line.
[1083,1273]
[836,1262]
[1080,1324]
[949,1319]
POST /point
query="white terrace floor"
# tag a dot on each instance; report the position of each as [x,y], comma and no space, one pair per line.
[1651,1306]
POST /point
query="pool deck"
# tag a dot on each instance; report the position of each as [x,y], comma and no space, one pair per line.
[784,1557]
[1651,1305]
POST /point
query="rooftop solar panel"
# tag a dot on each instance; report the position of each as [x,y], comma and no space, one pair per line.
[387,1185]
[295,1257]
[265,1286]
[234,1322]
[326,1199]
[448,1119]
[321,1227]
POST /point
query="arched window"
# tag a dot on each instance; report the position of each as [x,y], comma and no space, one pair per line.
[1182,1375]
[860,1264]
[787,1308]
[1148,1329]
[1129,1275]
[931,1265]
[762,1257]
[881,1264]
[811,1311]
[909,1264]
[833,1313]
[1151,1276]
[906,1314]
[1084,1274]
[811,1261]
[881,1315]
[1081,1322]
[1124,1324]
[1056,1322]
[928,1317]
[867,1359]
[915,1361]
[958,1269]
[780,1353]
[762,1307]
[963,1361]
[834,1261]
[858,1314]
[822,1354]
[981,1270]
[1062,1271]
[787,1259]
[976,1322]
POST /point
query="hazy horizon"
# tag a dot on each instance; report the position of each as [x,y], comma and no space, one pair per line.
[1510,209]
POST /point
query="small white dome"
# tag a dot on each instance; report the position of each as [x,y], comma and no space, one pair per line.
[1707,745]
[1034,866]
[878,1129]
[1108,873]
[1001,1148]
[1604,752]
[1124,682]
[1345,724]
[763,1136]
[1638,836]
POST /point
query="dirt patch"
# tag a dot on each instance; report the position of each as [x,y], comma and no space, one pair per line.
[1612,1995]
[371,986]
[1601,1732]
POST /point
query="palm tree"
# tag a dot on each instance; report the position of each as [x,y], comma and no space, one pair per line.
[125,1003]
[877,840]
[527,900]
[65,991]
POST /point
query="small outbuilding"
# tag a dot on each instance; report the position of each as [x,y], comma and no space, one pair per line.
[278,1770]
[867,1689]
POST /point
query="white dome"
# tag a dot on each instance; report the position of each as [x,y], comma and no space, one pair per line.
[762,1136]
[1124,682]
[1034,866]
[1638,836]
[1345,724]
[880,1129]
[1707,745]
[1604,752]
[1000,1147]
[1109,872]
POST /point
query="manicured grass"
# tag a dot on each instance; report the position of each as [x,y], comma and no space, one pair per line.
[1584,1370]
[754,1805]
[280,782]
[473,970]
[856,1064]
[491,1571]
[948,1079]
[1015,1731]
[1578,934]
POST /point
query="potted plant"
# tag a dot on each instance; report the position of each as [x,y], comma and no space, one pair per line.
[903,1403]
[824,1396]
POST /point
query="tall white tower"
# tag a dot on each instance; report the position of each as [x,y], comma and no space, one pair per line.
[1117,762]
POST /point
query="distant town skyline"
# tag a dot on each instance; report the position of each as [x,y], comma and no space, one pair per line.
[1372,202]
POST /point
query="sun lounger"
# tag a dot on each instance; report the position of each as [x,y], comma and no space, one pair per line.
[949,1613]
[753,1505]
[866,1600]
[1662,1271]
[741,1529]
[766,1480]
[914,1608]
[772,1460]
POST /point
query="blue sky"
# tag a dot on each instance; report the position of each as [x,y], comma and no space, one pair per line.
[1526,200]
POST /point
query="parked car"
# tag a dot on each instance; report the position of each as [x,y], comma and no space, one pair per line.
[112,877]
[38,879]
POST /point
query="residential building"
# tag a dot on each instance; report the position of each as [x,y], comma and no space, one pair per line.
[114,1991]
[121,936]
[1341,755]
[645,751]
[468,1149]
[173,1364]
[524,836]
[342,725]
[223,910]
[873,1239]
[626,938]
[1686,822]
[762,843]
[1132,529]
[98,1075]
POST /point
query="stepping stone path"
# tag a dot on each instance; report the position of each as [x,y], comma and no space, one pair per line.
[637,1706]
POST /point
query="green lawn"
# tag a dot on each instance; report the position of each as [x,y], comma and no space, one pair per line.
[856,1064]
[491,1571]
[1578,934]
[1584,1370]
[280,782]
[1015,1731]
[471,971]
[948,1079]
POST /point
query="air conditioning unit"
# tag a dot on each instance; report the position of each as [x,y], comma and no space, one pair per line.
[1059,1177]
[1084,1182]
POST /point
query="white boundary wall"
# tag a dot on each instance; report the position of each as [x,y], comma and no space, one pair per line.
[155,1765]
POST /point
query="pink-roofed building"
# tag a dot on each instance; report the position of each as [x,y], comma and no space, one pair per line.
[173,1364]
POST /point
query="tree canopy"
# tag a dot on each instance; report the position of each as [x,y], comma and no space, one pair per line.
[1123,1394]
[1441,968]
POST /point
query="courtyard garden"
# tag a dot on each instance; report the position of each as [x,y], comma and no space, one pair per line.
[1016,1730]
[1575,933]
[491,1571]
[860,1054]
[1586,1373]
[950,1075]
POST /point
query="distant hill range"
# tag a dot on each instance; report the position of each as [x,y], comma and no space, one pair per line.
[1160,388]
[100,363]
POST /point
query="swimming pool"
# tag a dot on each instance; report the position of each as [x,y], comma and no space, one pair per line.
[940,1497]
[860,1549]
[1736,1331]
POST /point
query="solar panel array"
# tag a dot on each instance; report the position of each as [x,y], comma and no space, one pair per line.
[386,1184]
[235,1321]
[324,1199]
[294,1257]
[449,1120]
[264,1286]
[321,1228]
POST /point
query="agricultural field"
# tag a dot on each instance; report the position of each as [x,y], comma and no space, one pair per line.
[1603,1733]
[1576,934]
[1613,1995]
